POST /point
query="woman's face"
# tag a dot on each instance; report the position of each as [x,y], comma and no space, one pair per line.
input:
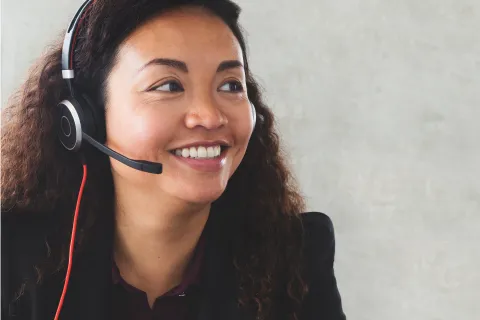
[179,84]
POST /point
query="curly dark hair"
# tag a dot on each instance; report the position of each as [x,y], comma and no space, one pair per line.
[39,176]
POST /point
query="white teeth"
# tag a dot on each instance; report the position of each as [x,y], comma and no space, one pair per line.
[210,152]
[200,152]
[193,152]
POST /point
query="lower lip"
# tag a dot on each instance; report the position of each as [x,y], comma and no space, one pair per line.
[207,165]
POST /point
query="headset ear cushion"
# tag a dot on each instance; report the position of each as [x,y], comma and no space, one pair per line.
[88,124]
[96,118]
[254,114]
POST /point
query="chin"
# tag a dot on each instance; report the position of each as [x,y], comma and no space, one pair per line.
[201,195]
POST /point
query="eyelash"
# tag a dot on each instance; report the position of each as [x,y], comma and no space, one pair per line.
[238,83]
[168,82]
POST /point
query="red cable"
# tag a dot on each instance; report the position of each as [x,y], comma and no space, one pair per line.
[72,241]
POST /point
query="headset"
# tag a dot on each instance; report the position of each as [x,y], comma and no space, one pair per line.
[79,119]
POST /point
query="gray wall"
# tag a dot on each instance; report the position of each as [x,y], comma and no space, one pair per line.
[379,105]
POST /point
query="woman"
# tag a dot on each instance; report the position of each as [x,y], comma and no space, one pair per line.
[220,233]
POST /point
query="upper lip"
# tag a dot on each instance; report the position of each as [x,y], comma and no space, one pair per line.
[204,143]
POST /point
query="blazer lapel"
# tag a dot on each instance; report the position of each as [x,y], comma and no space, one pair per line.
[219,284]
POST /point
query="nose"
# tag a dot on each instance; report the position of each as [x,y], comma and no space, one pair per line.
[206,114]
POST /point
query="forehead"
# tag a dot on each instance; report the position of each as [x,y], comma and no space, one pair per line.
[191,34]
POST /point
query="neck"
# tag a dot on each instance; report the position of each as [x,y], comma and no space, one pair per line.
[155,238]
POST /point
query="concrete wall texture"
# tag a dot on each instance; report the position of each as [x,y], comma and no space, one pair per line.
[378,103]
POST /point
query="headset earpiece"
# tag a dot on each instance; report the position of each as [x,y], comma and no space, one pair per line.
[77,115]
[254,114]
[70,124]
[96,119]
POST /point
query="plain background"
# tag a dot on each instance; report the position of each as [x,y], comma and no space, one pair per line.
[378,103]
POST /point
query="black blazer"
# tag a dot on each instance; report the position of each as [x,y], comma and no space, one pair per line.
[90,283]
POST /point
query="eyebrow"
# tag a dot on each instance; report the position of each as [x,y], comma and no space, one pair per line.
[229,64]
[182,66]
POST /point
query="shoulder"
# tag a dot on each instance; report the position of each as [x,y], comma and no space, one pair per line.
[319,234]
[323,300]
[23,238]
[318,224]
[23,244]
[22,233]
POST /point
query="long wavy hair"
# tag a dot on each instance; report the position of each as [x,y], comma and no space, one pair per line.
[39,177]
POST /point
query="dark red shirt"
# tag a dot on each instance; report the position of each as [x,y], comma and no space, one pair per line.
[131,303]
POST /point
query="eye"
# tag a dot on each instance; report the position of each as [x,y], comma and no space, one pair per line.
[232,86]
[169,86]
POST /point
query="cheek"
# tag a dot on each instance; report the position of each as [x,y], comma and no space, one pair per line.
[137,134]
[247,129]
[243,135]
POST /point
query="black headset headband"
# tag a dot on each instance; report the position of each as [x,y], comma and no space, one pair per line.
[69,41]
